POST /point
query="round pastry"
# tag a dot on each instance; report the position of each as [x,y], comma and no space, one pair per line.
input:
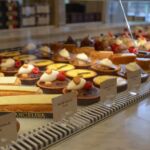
[86,50]
[144,63]
[121,82]
[123,58]
[61,67]
[9,54]
[41,63]
[81,61]
[105,66]
[84,73]
[87,42]
[62,56]
[44,52]
[86,93]
[30,48]
[28,74]
[56,46]
[52,82]
[10,66]
[132,67]
[25,58]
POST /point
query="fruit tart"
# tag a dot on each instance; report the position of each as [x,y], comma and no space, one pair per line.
[28,74]
[10,66]
[83,73]
[81,61]
[105,66]
[52,81]
[41,63]
[25,58]
[87,93]
[61,67]
[9,54]
[121,82]
[62,56]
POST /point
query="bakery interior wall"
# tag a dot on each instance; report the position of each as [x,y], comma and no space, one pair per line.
[59,29]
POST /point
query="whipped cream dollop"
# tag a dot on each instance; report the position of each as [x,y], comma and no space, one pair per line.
[82,56]
[30,47]
[133,66]
[45,49]
[25,69]
[49,77]
[8,63]
[73,86]
[64,53]
[106,62]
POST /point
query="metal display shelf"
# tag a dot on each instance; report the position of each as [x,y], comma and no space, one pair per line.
[54,132]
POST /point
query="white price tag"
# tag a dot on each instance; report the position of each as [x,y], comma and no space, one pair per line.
[64,106]
[108,89]
[8,129]
[134,79]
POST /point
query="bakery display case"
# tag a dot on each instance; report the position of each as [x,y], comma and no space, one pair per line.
[67,65]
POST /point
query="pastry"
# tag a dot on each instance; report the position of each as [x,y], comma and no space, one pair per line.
[41,63]
[87,42]
[123,58]
[9,54]
[132,67]
[27,103]
[10,66]
[84,73]
[52,82]
[121,82]
[10,81]
[56,46]
[86,92]
[44,52]
[61,67]
[30,48]
[25,58]
[144,63]
[70,44]
[28,74]
[101,55]
[62,56]
[6,90]
[81,61]
[86,50]
[105,66]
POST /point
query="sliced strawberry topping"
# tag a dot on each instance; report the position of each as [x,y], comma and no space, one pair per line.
[133,50]
[61,76]
[88,85]
[35,70]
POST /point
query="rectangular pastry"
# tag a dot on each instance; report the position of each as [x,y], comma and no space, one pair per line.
[9,81]
[6,90]
[27,103]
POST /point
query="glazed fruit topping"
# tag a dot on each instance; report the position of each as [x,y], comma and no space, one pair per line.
[88,85]
[61,76]
[133,50]
[18,64]
[115,47]
[36,70]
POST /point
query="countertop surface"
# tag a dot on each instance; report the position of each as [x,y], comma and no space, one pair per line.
[127,130]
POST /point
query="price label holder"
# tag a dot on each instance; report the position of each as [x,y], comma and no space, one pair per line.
[108,92]
[134,81]
[8,129]
[64,106]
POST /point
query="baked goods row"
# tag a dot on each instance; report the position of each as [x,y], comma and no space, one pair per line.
[59,68]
